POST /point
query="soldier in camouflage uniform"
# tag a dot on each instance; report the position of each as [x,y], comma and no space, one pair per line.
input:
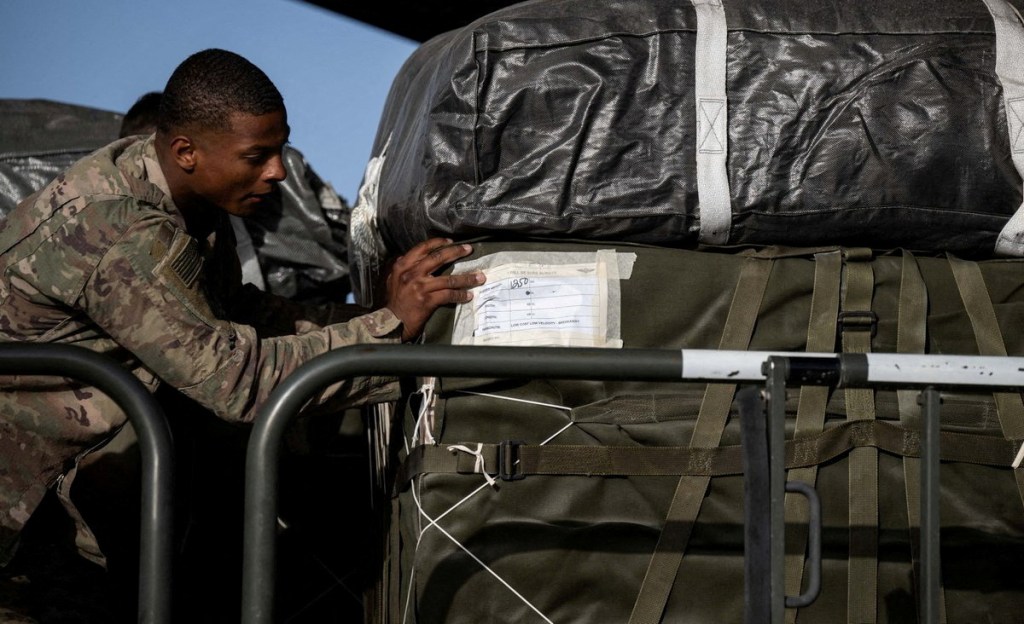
[130,253]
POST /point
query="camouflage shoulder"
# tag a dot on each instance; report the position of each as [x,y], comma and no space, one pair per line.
[99,174]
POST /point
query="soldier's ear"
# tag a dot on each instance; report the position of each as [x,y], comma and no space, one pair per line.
[184,153]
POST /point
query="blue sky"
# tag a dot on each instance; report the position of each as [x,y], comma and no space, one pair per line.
[334,72]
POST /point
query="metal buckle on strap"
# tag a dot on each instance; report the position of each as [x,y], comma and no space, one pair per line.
[509,468]
[859,320]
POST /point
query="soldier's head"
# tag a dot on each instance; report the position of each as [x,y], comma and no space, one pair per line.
[141,118]
[220,132]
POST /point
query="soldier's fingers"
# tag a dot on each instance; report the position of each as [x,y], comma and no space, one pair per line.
[459,296]
[445,296]
[431,255]
[418,252]
[464,280]
[442,256]
[425,248]
[451,288]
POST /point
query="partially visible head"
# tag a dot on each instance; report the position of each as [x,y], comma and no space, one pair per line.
[142,117]
[221,129]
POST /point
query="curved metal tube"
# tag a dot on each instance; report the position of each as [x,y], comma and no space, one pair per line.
[155,445]
[262,457]
[290,396]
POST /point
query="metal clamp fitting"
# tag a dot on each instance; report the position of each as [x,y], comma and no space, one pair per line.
[509,468]
[859,320]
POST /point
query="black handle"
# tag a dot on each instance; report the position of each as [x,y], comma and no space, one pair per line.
[813,545]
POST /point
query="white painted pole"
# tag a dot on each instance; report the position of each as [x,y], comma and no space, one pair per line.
[902,369]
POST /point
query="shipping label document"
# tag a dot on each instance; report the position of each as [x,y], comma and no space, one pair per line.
[529,304]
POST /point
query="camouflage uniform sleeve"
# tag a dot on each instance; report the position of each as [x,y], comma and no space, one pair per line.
[148,293]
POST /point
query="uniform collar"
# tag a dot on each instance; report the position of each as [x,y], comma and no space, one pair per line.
[152,173]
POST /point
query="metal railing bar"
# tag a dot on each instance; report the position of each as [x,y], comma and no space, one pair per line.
[155,445]
[775,369]
[757,556]
[931,561]
[290,396]
[262,458]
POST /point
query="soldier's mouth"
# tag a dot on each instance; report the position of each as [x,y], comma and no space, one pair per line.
[263,197]
[256,198]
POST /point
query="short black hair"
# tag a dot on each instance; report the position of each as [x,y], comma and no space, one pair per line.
[142,117]
[211,85]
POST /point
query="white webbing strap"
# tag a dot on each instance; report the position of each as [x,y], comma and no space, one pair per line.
[251,272]
[712,123]
[1010,71]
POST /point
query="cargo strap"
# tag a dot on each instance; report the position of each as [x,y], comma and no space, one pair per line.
[989,337]
[810,413]
[511,461]
[713,199]
[707,433]
[912,337]
[1010,71]
[858,326]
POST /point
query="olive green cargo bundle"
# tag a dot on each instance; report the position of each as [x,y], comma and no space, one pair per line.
[474,536]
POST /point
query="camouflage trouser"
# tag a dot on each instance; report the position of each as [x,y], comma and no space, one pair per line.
[85,540]
[41,443]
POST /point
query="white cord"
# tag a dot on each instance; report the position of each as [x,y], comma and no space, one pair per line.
[425,417]
[479,465]
[477,559]
[433,522]
[506,398]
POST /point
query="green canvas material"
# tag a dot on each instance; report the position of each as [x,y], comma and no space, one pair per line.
[573,548]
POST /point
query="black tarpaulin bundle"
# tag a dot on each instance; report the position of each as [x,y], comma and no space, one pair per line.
[872,123]
[39,139]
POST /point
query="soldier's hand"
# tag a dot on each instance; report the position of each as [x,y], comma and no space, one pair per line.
[414,292]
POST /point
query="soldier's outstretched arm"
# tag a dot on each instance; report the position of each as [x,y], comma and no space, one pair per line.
[413,289]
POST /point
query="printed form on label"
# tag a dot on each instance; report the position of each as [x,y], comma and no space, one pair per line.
[552,302]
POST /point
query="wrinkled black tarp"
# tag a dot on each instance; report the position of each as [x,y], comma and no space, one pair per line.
[300,241]
[870,123]
[40,138]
